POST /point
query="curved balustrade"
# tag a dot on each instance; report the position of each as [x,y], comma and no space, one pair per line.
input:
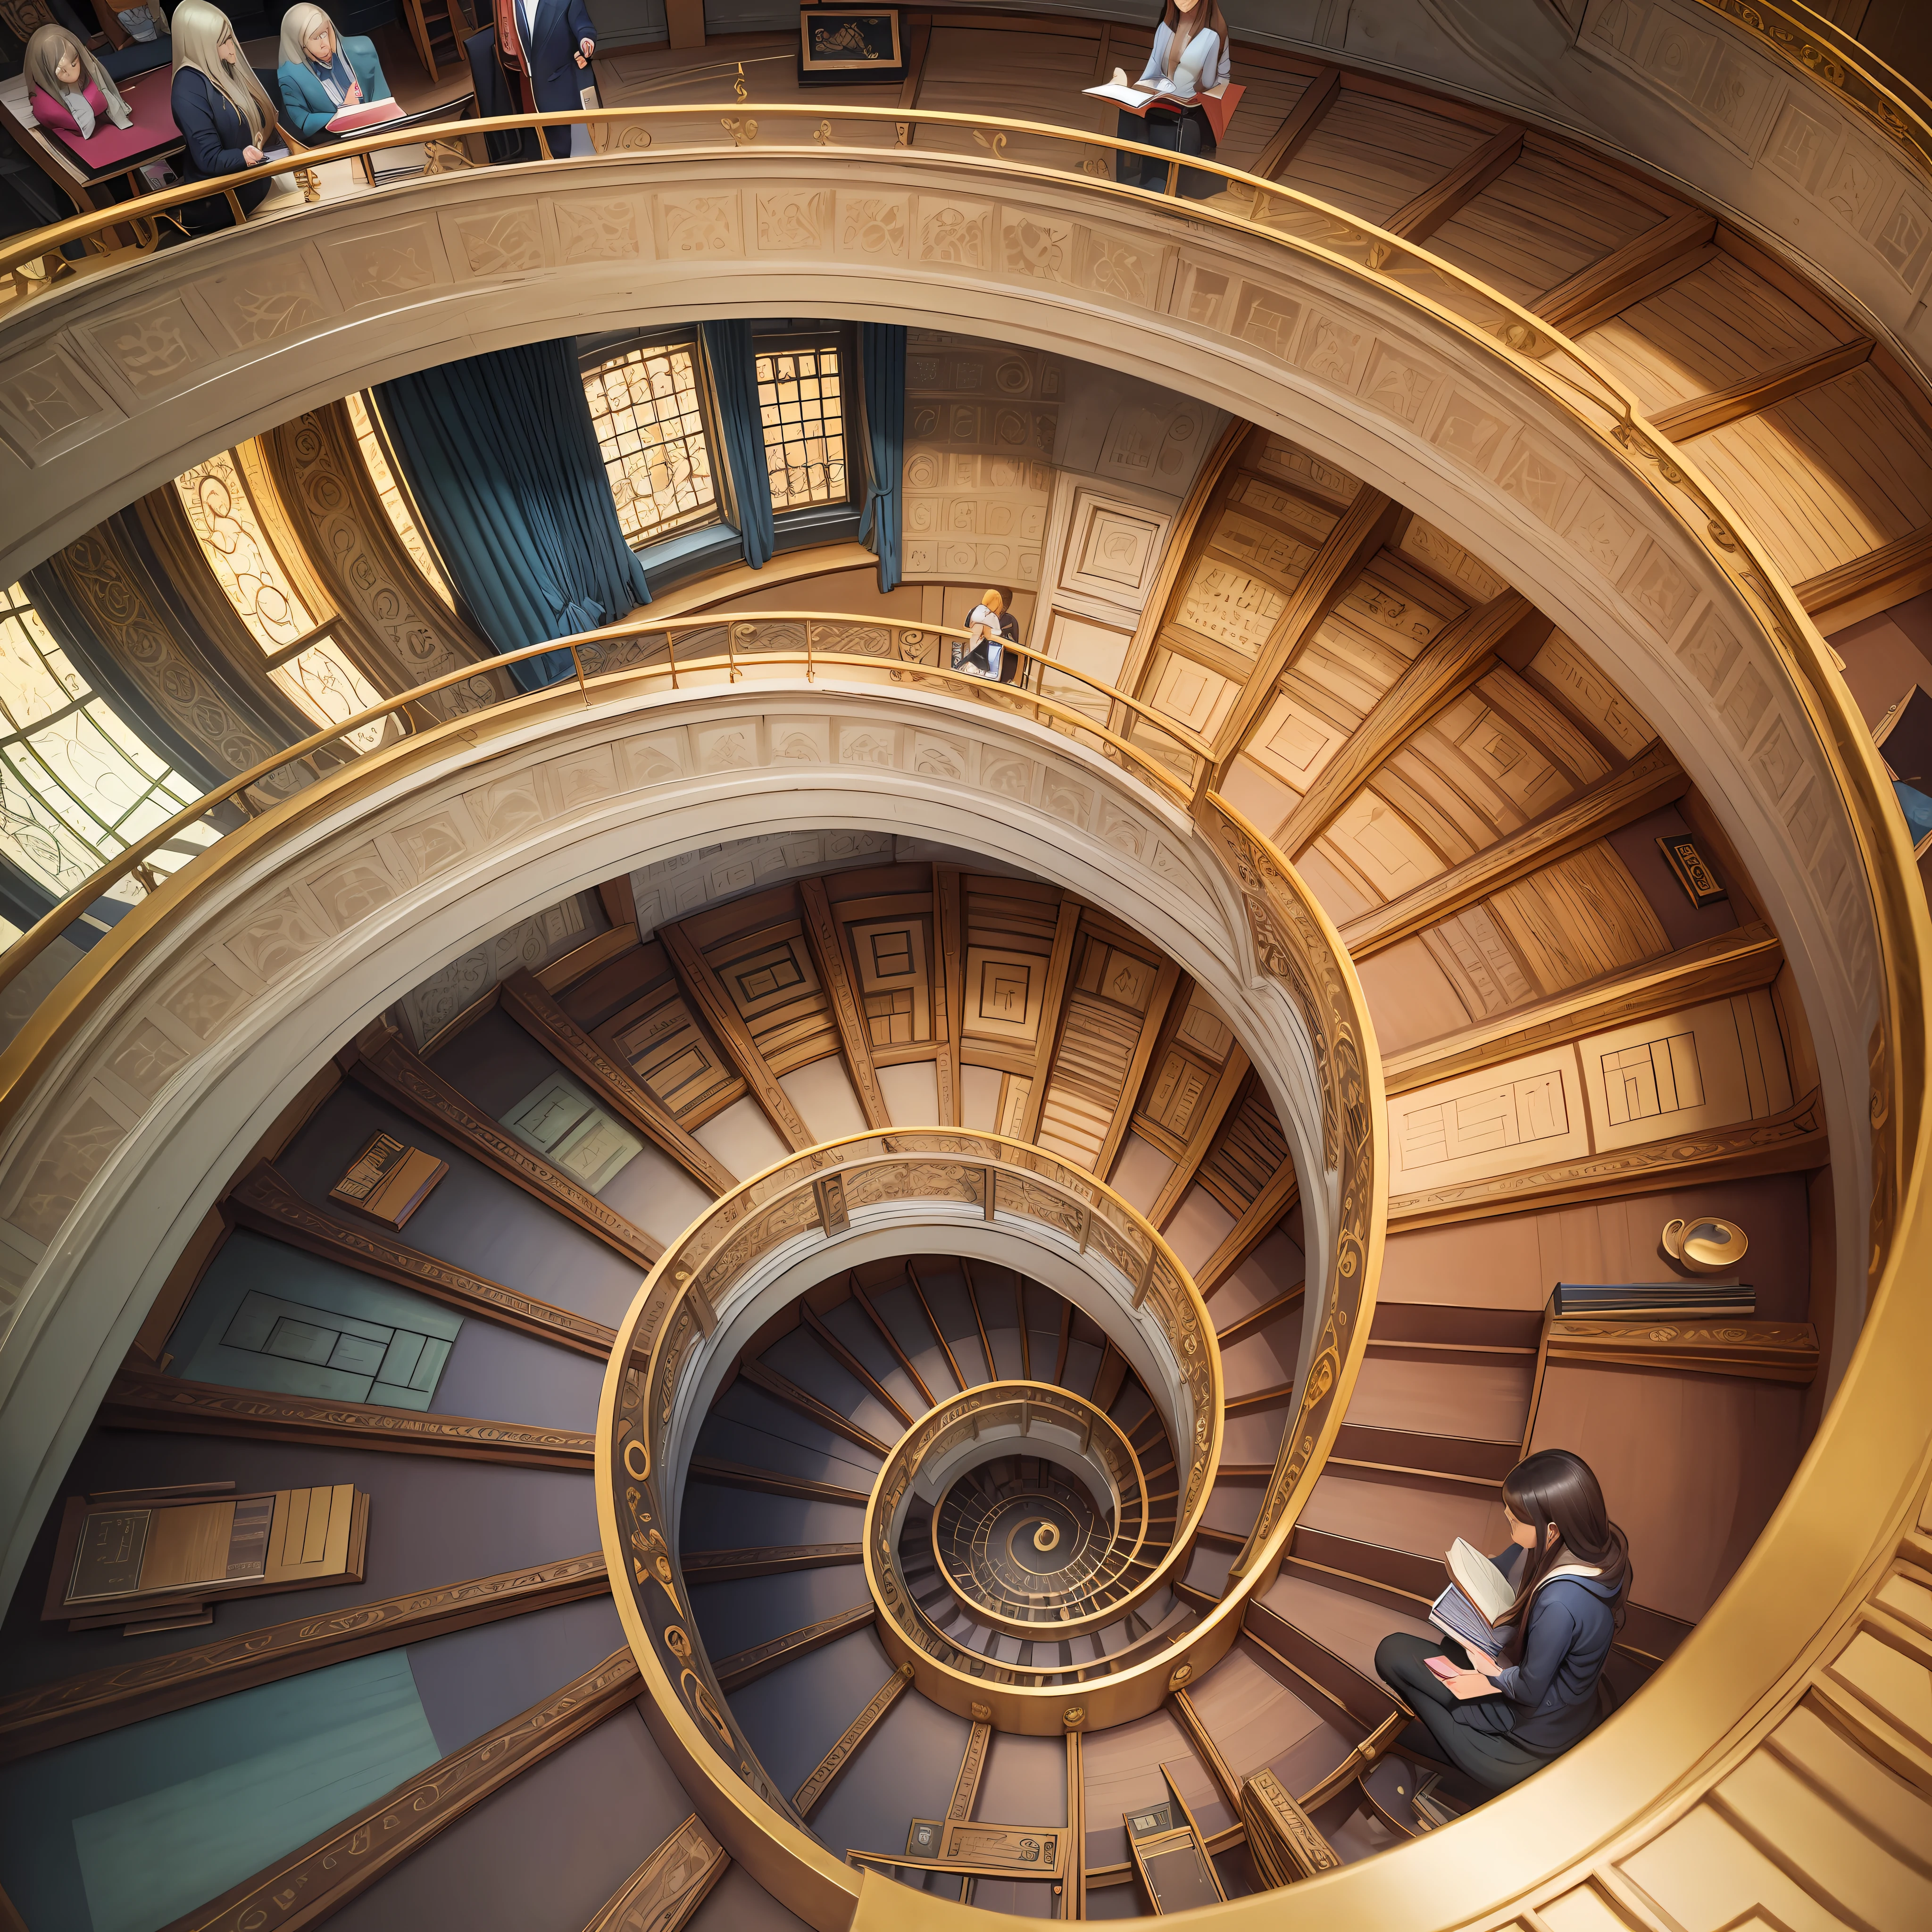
[1094,1583]
[627,661]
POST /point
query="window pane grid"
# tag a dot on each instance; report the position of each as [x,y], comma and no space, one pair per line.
[645,406]
[76,785]
[801,409]
[238,553]
[394,503]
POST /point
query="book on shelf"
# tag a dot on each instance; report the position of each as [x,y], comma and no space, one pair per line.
[1678,1300]
[1217,104]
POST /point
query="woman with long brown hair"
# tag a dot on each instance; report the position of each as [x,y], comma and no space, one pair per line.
[1498,1719]
[1188,57]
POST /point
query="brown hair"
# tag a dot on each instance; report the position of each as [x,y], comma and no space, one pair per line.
[50,46]
[1207,15]
[1555,1488]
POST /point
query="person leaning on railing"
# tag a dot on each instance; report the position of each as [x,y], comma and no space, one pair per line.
[321,72]
[222,111]
[1498,1719]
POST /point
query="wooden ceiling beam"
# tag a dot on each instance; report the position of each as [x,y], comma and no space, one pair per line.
[1733,962]
[1362,529]
[1246,1325]
[1462,654]
[978,1319]
[781,1388]
[851,1364]
[1052,1010]
[848,1012]
[43,1715]
[1870,584]
[1421,217]
[1215,1109]
[265,1201]
[891,1340]
[664,1892]
[527,1002]
[1262,1216]
[701,989]
[851,1740]
[771,1482]
[1301,121]
[1652,780]
[331,1869]
[1165,982]
[948,929]
[382,1061]
[777,1559]
[1762,392]
[932,1322]
[747,1666]
[1649,262]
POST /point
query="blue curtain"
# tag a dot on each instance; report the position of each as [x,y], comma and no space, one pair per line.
[882,355]
[504,465]
[734,374]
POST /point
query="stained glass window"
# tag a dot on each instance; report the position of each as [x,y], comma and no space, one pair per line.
[801,407]
[376,460]
[317,673]
[646,409]
[76,785]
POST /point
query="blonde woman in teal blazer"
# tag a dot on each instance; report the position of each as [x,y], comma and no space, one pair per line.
[322,72]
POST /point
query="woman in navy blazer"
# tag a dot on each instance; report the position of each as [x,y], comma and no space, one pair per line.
[221,111]
[552,46]
[322,72]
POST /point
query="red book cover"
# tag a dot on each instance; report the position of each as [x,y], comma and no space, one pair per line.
[353,120]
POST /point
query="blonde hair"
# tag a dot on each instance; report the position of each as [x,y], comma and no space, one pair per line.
[198,29]
[993,601]
[298,23]
[49,47]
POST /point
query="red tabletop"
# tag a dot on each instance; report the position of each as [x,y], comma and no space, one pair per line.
[109,148]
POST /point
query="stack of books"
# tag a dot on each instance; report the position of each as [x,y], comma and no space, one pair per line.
[1674,1301]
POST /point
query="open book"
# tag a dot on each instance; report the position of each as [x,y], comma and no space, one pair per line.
[1218,103]
[365,114]
[1469,1610]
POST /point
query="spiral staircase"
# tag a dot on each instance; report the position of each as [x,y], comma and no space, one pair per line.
[1024,1432]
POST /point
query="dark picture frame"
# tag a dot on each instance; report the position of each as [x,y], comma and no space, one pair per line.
[840,46]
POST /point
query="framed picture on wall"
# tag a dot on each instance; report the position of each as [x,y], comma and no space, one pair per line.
[840,45]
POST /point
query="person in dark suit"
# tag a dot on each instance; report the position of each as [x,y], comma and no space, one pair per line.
[221,110]
[549,44]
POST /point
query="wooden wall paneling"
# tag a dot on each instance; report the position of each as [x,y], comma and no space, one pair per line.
[664,1893]
[1363,529]
[747,1666]
[828,951]
[1654,259]
[1052,1009]
[949,930]
[330,1869]
[1378,148]
[1461,653]
[1793,1141]
[1733,962]
[1285,142]
[1203,1131]
[1770,1351]
[806,1798]
[1642,788]
[1418,218]
[43,1715]
[381,1061]
[661,1037]
[267,1203]
[527,1002]
[1776,385]
[135,1400]
[701,988]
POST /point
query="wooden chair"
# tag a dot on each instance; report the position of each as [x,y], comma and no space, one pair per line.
[438,28]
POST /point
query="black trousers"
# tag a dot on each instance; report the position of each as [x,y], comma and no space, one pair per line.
[1493,1762]
[1185,132]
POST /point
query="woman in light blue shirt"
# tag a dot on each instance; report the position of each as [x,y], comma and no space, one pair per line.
[1189,56]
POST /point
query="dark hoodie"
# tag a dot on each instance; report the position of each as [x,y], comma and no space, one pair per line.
[1549,1699]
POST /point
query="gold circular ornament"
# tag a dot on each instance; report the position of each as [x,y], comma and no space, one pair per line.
[1074,1716]
[1705,1243]
[1047,1537]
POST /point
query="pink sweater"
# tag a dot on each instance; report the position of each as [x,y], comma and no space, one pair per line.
[52,113]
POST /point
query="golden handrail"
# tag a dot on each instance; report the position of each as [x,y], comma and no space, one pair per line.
[32,943]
